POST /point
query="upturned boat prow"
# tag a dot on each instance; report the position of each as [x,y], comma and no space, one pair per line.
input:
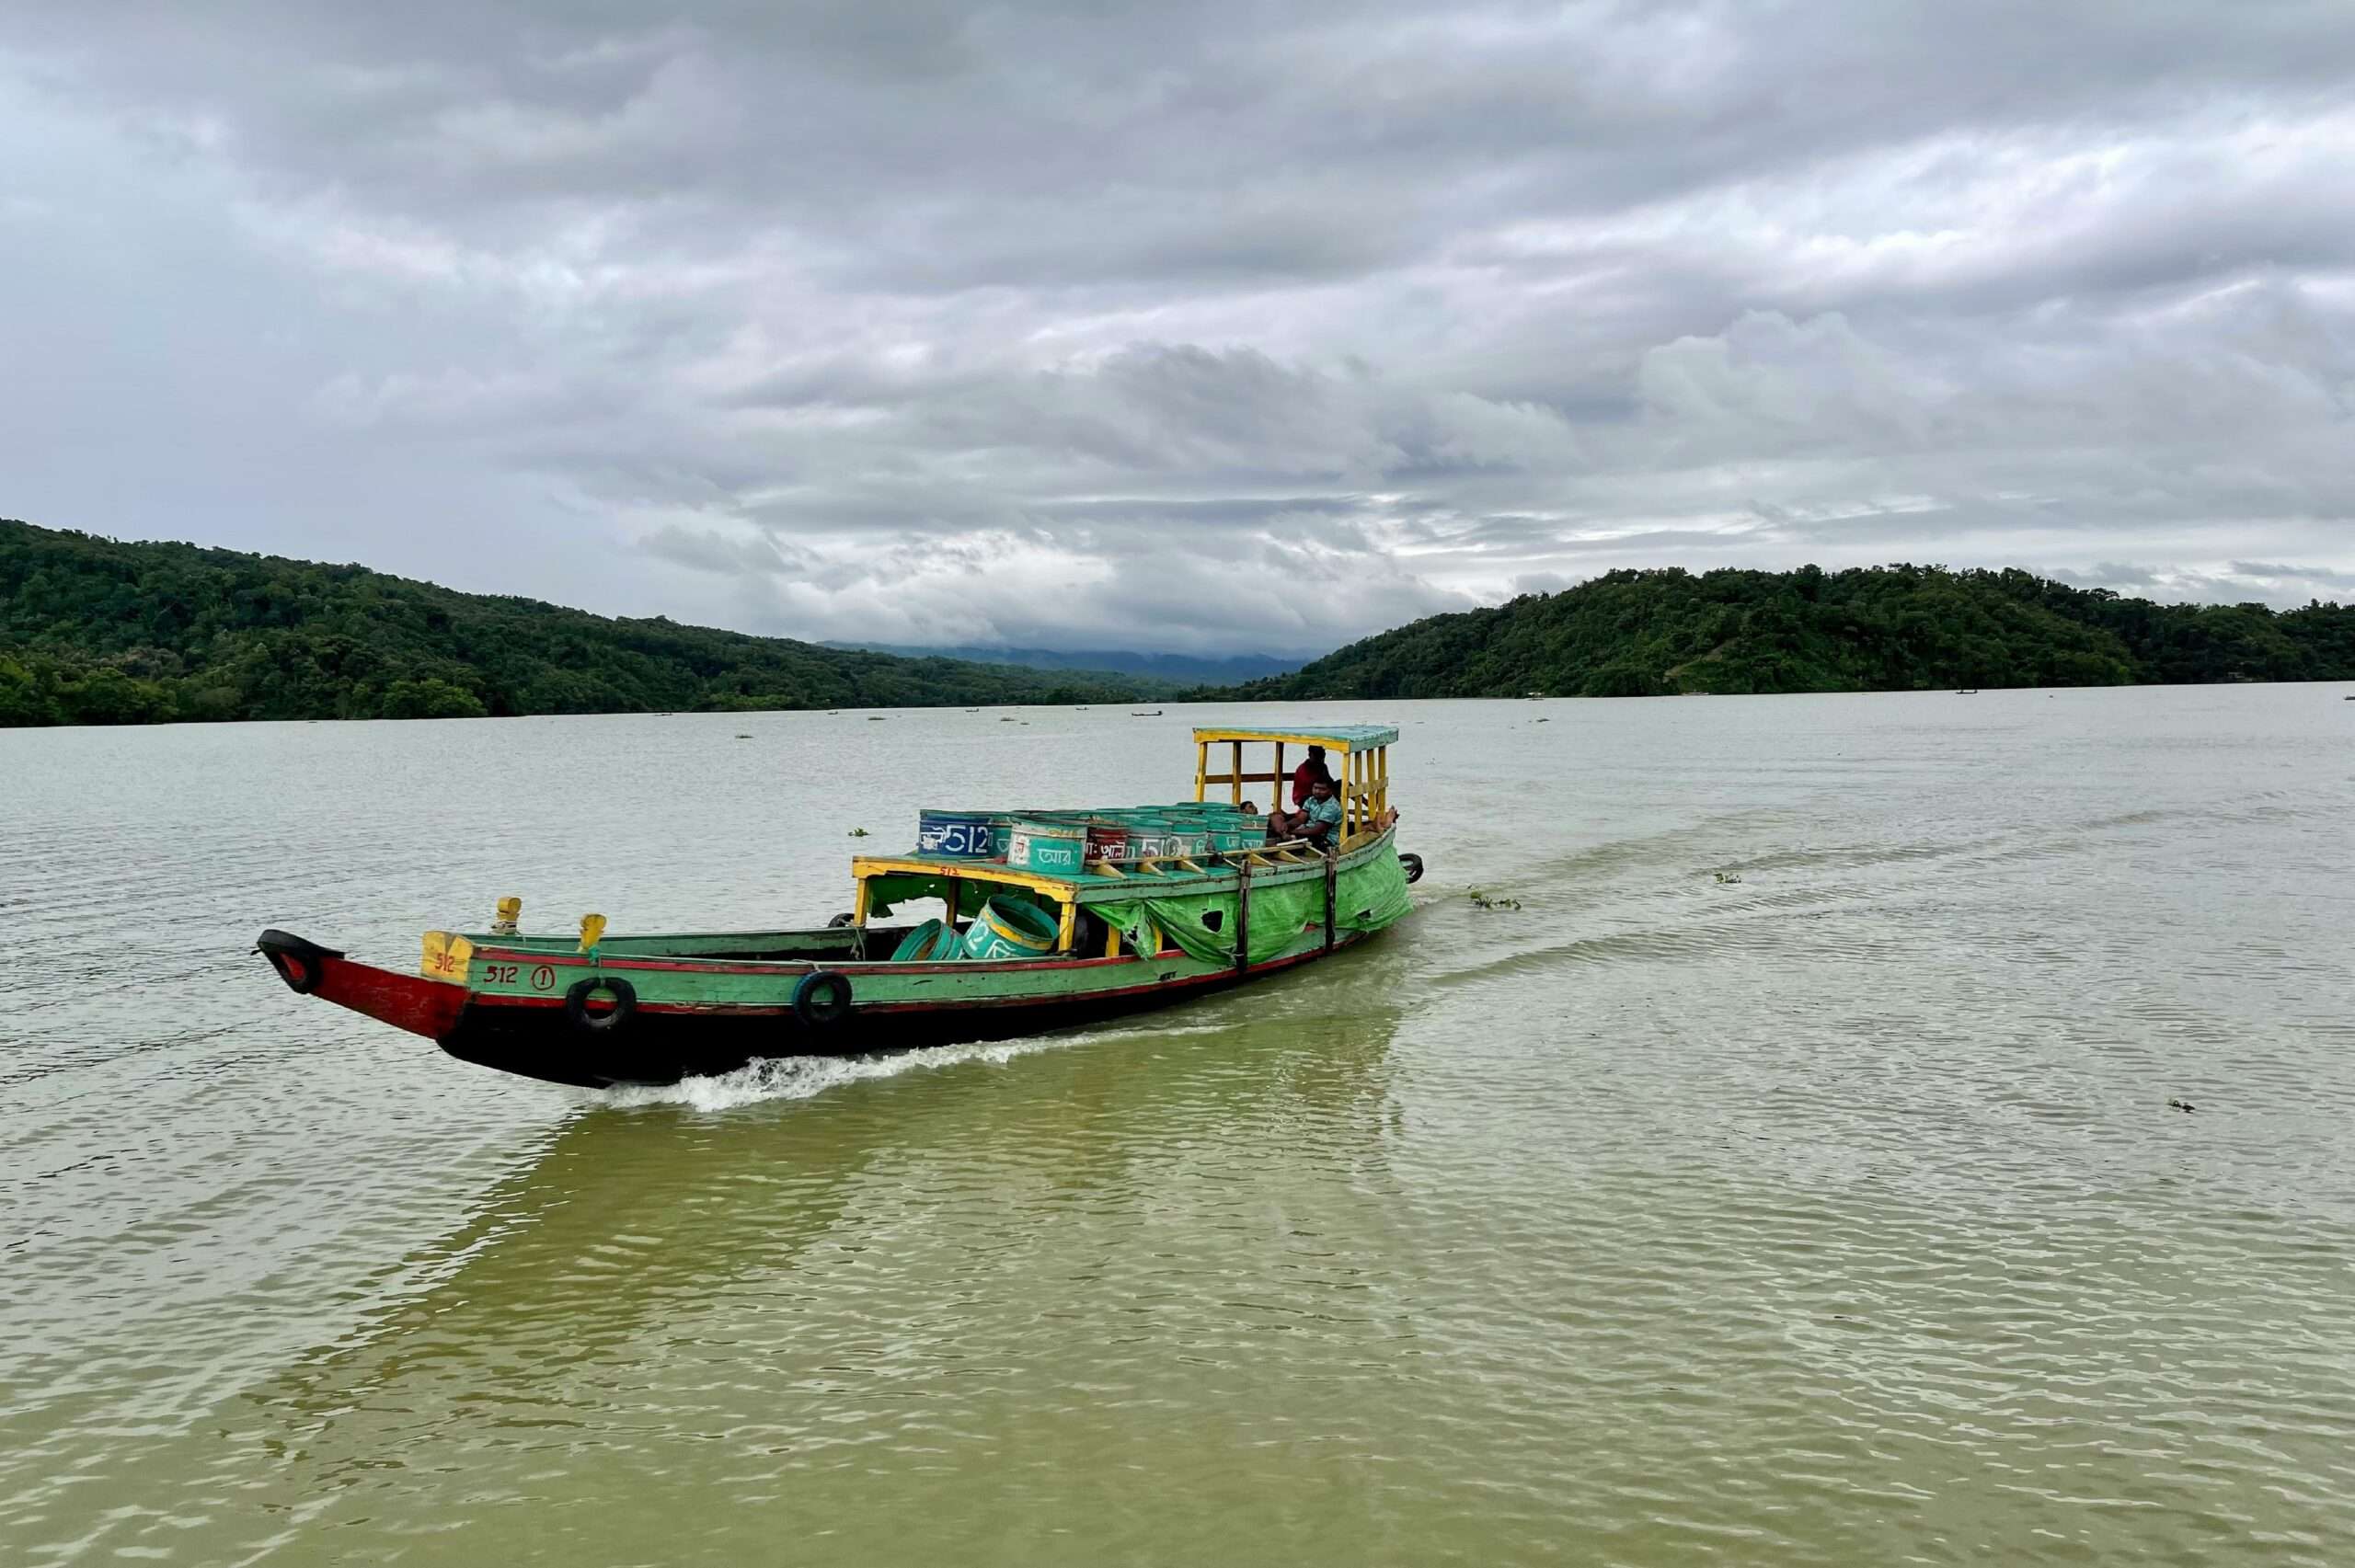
[1053,919]
[412,1002]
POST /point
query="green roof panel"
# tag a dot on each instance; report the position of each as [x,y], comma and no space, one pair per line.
[1345,737]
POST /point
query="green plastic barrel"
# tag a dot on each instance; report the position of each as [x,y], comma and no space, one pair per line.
[1053,848]
[1182,838]
[1008,927]
[930,943]
[1240,835]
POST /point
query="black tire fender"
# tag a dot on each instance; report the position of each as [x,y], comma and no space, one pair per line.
[1414,866]
[576,1002]
[822,998]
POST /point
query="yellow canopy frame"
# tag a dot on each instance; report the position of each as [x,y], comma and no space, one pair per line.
[1362,780]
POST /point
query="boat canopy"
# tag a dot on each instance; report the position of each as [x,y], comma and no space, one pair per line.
[1362,779]
[1119,889]
[1332,737]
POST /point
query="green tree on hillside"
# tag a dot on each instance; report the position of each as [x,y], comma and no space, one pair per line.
[96,632]
[1900,627]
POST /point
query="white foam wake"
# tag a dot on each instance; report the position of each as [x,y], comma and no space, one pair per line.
[802,1078]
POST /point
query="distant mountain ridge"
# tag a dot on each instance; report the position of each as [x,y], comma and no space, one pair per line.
[97,631]
[1633,633]
[1172,670]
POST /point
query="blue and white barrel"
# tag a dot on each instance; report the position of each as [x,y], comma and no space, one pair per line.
[955,835]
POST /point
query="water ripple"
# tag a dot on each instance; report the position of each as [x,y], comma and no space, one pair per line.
[1830,1212]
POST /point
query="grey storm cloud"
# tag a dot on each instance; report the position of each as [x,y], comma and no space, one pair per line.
[1207,327]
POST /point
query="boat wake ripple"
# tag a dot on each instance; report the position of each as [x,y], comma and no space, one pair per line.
[803,1078]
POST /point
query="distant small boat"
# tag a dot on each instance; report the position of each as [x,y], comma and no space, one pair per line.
[1966,690]
[1144,712]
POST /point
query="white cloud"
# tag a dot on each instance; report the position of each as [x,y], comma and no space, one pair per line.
[1200,328]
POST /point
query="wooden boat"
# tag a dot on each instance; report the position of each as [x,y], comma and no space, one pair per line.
[1140,925]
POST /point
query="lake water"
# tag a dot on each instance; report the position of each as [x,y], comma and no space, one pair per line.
[1830,1213]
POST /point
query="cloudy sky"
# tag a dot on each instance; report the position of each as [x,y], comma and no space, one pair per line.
[1213,326]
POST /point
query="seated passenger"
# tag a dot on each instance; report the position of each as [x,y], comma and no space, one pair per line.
[1318,822]
[1322,827]
[1306,775]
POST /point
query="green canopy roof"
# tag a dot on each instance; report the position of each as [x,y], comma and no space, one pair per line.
[1341,737]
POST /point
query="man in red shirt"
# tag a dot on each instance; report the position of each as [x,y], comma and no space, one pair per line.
[1307,773]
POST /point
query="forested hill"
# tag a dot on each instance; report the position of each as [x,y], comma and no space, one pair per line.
[96,632]
[1885,628]
[1168,671]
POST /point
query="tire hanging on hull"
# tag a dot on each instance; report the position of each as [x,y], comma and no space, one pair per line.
[576,1003]
[822,998]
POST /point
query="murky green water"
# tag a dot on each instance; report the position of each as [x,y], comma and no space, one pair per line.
[1833,1215]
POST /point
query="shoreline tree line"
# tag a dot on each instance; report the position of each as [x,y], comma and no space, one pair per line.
[95,631]
[1895,628]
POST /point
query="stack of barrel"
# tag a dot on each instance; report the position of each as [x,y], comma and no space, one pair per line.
[1063,843]
[1057,844]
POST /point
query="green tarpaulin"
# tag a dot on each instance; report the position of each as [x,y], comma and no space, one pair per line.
[1202,925]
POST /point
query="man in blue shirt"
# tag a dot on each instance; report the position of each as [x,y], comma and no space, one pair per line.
[1318,822]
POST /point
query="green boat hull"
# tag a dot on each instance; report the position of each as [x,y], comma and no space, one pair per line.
[662,1044]
[653,1010]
